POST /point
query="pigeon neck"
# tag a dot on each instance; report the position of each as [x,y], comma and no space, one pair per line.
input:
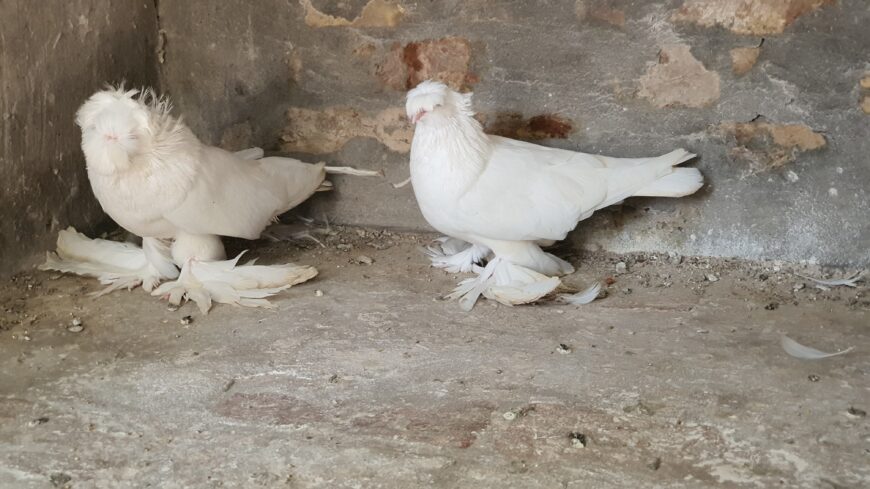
[458,140]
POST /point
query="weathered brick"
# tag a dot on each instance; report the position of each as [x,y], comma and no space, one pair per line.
[514,125]
[375,13]
[447,60]
[678,79]
[328,130]
[743,59]
[755,17]
[768,146]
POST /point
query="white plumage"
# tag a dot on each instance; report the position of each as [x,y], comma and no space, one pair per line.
[506,198]
[153,176]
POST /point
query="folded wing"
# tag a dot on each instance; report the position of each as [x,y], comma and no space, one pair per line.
[237,197]
[531,192]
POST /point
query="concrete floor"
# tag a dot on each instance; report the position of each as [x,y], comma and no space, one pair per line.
[673,380]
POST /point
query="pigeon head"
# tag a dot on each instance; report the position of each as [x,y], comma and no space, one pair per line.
[432,101]
[118,125]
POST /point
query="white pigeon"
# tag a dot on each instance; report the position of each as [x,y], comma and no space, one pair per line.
[503,199]
[153,176]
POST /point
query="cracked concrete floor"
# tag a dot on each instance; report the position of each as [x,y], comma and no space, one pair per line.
[675,379]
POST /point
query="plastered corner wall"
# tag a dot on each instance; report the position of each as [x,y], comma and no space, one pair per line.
[53,55]
[773,94]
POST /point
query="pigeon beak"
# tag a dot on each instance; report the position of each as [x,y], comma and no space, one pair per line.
[419,115]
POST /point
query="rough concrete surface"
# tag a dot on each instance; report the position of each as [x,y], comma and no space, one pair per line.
[620,77]
[675,379]
[53,55]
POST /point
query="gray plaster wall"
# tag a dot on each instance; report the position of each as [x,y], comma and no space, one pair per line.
[54,54]
[775,99]
[770,97]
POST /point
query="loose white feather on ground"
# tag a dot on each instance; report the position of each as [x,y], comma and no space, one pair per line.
[803,352]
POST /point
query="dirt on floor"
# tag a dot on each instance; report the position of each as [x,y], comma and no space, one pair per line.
[365,377]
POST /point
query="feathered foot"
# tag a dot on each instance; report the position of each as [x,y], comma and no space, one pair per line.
[227,282]
[117,265]
[504,282]
[455,255]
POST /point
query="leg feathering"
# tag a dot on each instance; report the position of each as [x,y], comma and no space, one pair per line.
[227,282]
[117,265]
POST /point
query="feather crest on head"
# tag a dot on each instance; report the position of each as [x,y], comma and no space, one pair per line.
[434,96]
[127,123]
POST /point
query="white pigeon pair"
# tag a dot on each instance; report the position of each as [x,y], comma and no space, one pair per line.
[500,200]
[497,200]
[158,181]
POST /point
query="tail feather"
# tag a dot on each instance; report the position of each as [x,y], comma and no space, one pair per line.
[632,177]
[250,154]
[346,170]
[679,183]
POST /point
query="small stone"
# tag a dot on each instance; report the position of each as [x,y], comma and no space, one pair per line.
[792,176]
[640,407]
[509,415]
[59,479]
[344,247]
[578,440]
[621,268]
[711,277]
[364,260]
[37,421]
[856,413]
[655,464]
[798,286]
[171,308]
[833,192]
[626,291]
[318,293]
[772,306]
[674,258]
[385,245]
[186,320]
[814,378]
[563,349]
[75,328]
[361,233]
[76,322]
